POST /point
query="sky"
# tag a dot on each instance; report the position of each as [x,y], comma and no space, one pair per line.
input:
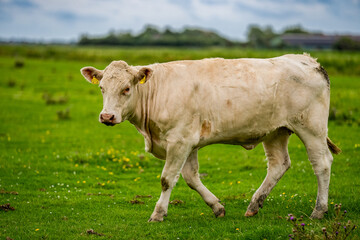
[66,20]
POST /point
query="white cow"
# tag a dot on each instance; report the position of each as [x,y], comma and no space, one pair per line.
[182,106]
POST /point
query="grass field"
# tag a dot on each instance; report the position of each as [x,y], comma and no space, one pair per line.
[64,173]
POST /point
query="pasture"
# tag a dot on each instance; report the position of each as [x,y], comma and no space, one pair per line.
[66,176]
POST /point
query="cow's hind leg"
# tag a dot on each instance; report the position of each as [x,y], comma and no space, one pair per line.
[311,127]
[191,175]
[278,162]
[321,160]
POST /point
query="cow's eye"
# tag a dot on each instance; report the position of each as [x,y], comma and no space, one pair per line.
[126,91]
[102,90]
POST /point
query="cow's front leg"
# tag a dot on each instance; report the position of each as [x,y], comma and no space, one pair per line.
[175,158]
[190,173]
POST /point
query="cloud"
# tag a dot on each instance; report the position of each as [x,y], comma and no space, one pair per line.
[67,19]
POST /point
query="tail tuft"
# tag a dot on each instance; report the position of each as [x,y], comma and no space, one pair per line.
[333,148]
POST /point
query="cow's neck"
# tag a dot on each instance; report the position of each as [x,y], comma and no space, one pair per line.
[141,116]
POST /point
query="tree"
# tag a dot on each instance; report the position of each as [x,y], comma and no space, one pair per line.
[346,43]
[297,29]
[260,38]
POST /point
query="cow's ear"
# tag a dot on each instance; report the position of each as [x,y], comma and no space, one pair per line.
[92,74]
[143,75]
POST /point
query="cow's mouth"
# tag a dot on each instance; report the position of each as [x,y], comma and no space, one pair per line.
[109,123]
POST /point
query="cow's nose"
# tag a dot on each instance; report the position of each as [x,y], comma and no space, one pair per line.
[107,119]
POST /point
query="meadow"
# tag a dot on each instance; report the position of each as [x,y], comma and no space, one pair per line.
[63,175]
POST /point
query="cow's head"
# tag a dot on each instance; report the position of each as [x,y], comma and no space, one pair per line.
[118,84]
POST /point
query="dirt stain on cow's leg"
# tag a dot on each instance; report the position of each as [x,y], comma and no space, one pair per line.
[164,184]
[261,200]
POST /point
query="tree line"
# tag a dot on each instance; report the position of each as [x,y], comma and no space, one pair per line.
[151,36]
[257,37]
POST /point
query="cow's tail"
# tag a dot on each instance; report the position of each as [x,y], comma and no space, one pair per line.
[332,147]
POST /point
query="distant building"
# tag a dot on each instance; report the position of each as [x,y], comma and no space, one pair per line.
[314,41]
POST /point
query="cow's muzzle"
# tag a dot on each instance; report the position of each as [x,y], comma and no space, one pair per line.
[107,119]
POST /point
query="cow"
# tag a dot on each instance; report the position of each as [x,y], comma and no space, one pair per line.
[182,106]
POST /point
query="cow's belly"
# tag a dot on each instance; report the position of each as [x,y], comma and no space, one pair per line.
[247,140]
[247,136]
[243,128]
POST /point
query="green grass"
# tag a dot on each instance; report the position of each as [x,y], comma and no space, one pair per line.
[347,63]
[75,174]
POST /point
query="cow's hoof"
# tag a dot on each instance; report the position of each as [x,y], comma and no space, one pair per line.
[153,219]
[218,210]
[317,214]
[250,213]
[157,216]
[220,213]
